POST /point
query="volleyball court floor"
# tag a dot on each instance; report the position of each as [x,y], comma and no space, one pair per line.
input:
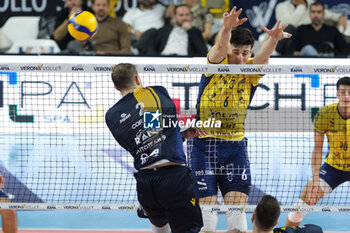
[279,167]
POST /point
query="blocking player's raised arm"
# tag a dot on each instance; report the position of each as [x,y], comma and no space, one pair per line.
[275,34]
[221,48]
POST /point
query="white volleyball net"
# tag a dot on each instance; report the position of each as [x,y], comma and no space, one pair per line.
[57,153]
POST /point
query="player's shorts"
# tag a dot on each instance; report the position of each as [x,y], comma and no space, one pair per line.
[3,194]
[170,192]
[220,164]
[332,176]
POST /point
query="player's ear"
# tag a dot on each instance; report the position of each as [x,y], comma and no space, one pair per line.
[253,217]
[276,222]
[138,80]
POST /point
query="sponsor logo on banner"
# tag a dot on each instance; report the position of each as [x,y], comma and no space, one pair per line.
[296,69]
[306,209]
[39,67]
[14,206]
[71,207]
[51,68]
[261,69]
[32,206]
[215,209]
[126,207]
[102,68]
[237,209]
[187,69]
[326,209]
[224,69]
[4,67]
[106,207]
[291,209]
[256,70]
[325,70]
[149,68]
[51,207]
[343,70]
[77,68]
[86,207]
[344,209]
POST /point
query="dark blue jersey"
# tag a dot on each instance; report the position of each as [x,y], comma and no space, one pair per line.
[129,118]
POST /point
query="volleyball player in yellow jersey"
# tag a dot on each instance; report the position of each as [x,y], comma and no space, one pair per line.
[334,121]
[220,159]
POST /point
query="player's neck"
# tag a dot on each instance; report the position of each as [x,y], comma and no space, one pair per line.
[344,111]
[256,230]
[127,91]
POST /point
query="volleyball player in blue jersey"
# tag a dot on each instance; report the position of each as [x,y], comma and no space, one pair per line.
[166,188]
[220,159]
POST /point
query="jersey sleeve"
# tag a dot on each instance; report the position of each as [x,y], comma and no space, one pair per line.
[320,120]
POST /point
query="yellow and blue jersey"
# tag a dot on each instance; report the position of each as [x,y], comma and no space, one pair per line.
[329,121]
[225,98]
[147,145]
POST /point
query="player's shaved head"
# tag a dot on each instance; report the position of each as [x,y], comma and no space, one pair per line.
[123,76]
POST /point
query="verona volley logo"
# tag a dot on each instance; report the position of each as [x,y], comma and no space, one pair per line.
[155,120]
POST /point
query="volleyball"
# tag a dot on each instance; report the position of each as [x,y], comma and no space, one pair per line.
[82,25]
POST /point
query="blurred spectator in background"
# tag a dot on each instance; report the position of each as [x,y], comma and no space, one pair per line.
[177,38]
[317,38]
[61,35]
[296,13]
[112,36]
[201,18]
[8,217]
[149,14]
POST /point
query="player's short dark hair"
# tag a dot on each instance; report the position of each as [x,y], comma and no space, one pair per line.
[123,75]
[267,213]
[343,81]
[317,4]
[242,36]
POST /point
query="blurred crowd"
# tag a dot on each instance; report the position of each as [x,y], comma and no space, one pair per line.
[187,28]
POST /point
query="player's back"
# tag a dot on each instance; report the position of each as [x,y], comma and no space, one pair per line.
[136,122]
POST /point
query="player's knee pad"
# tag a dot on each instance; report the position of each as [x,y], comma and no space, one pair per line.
[297,217]
[163,229]
[210,220]
[236,220]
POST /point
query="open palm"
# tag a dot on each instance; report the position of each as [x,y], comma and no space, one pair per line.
[232,20]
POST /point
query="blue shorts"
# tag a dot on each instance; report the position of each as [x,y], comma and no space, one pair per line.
[3,194]
[332,176]
[220,164]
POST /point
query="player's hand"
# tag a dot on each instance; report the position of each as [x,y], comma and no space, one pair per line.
[312,195]
[277,32]
[193,132]
[232,20]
